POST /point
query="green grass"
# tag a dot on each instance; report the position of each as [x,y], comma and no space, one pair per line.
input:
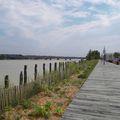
[48,105]
[83,69]
[54,89]
[59,111]
[8,108]
[42,111]
[86,68]
[26,104]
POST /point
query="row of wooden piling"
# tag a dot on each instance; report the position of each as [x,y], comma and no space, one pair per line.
[15,94]
[23,74]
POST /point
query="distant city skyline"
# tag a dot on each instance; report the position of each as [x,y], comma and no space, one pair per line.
[59,27]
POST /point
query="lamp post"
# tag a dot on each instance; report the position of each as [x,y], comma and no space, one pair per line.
[104,55]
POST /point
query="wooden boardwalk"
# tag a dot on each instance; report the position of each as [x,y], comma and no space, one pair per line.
[99,98]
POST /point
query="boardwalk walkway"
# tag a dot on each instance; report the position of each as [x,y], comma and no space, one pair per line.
[99,98]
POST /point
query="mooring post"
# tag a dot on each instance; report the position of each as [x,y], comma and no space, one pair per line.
[21,78]
[63,69]
[60,70]
[44,70]
[35,72]
[6,81]
[59,66]
[25,74]
[55,66]
[55,72]
[50,68]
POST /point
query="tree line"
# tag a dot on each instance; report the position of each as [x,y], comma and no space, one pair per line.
[116,55]
[93,54]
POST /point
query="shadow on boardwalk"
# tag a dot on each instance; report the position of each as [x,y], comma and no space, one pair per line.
[99,98]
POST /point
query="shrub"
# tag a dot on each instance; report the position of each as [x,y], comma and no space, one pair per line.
[41,111]
[76,82]
[26,104]
[2,116]
[59,111]
[14,103]
[8,108]
[82,74]
[56,89]
[18,117]
[36,88]
[48,106]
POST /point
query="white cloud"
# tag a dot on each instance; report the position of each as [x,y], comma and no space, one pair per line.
[31,16]
[74,3]
[107,2]
[44,23]
[78,14]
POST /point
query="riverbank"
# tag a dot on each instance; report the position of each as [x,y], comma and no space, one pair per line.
[51,102]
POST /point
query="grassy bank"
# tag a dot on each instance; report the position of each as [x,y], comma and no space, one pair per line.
[51,101]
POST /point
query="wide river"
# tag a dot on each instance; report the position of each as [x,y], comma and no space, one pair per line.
[12,68]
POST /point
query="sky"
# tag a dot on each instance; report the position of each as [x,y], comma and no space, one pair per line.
[59,27]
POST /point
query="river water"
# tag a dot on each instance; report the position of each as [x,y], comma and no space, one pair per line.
[12,68]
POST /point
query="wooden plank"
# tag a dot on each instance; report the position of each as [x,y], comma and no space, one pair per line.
[99,97]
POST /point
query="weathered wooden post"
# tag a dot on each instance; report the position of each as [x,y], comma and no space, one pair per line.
[50,67]
[63,69]
[66,69]
[25,74]
[55,66]
[60,70]
[55,72]
[59,66]
[6,81]
[35,72]
[50,70]
[21,78]
[44,70]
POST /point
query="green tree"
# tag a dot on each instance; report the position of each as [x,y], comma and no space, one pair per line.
[93,54]
[88,57]
[116,54]
[2,57]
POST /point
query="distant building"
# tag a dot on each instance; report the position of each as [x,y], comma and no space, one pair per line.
[109,57]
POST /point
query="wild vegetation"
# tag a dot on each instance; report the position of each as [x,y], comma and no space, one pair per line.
[51,101]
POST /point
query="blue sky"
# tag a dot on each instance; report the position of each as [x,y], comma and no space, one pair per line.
[59,27]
